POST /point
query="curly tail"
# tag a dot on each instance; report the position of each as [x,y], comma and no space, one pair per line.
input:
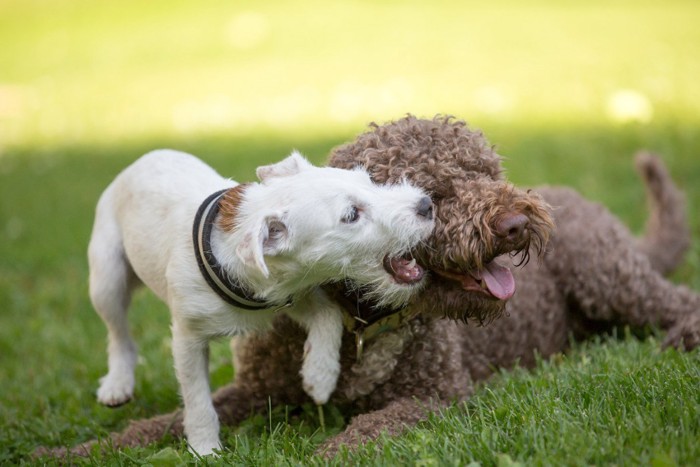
[666,237]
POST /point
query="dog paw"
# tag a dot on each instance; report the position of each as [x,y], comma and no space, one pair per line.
[319,376]
[204,447]
[684,335]
[115,390]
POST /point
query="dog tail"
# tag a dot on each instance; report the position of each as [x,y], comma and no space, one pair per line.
[666,238]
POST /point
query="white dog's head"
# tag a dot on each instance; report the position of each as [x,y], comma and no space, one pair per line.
[305,226]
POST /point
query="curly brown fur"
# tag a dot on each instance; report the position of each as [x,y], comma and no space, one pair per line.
[462,173]
[592,276]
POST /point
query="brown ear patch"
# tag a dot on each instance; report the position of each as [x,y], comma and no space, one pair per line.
[228,207]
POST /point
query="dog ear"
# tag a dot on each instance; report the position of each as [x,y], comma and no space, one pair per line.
[291,165]
[266,238]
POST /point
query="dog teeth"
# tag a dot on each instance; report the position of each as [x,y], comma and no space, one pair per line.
[412,264]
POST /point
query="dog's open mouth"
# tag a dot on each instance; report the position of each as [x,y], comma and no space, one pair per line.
[404,269]
[494,280]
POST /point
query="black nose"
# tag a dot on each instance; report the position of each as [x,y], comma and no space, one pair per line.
[425,208]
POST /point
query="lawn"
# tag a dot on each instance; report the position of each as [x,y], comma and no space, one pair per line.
[567,91]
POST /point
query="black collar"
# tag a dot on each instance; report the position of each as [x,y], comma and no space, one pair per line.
[365,319]
[230,291]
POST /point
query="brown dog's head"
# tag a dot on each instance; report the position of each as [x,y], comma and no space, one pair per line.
[479,216]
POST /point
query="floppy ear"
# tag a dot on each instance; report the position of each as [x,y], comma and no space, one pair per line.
[291,165]
[266,238]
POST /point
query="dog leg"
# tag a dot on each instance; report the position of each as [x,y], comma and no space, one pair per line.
[608,279]
[234,403]
[391,420]
[111,284]
[201,424]
[322,318]
[138,433]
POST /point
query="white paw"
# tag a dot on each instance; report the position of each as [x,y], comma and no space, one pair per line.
[319,376]
[204,447]
[115,390]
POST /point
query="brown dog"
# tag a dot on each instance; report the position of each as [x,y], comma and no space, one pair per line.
[591,275]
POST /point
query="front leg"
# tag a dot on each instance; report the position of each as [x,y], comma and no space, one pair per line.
[391,420]
[322,318]
[191,355]
[234,403]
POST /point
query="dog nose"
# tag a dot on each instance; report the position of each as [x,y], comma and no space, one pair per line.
[512,227]
[425,208]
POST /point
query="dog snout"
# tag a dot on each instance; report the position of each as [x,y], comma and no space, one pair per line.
[512,229]
[424,208]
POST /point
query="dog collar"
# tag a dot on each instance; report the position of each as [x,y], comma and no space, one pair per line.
[230,291]
[366,322]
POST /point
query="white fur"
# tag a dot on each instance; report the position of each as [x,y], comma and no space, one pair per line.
[289,238]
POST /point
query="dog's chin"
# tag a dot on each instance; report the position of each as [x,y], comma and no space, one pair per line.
[448,299]
[390,294]
[478,295]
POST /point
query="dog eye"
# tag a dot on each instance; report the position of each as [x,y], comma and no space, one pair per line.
[352,216]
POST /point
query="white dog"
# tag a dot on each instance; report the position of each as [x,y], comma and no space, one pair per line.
[226,262]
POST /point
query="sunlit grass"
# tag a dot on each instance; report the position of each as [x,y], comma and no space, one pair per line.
[95,71]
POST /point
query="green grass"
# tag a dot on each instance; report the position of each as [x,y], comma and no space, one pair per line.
[86,87]
[591,407]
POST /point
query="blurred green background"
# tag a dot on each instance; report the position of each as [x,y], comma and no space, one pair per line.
[567,90]
[98,72]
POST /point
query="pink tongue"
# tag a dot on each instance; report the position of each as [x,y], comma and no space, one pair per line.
[499,280]
[403,273]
